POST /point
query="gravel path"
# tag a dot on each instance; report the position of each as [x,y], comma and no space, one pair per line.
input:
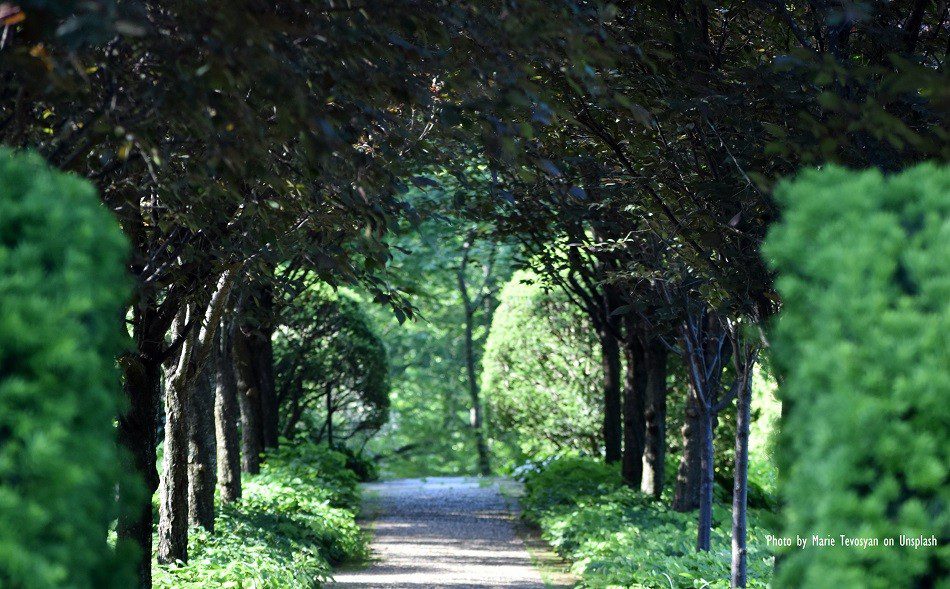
[454,533]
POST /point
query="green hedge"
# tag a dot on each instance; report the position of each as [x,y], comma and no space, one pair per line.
[863,342]
[615,537]
[296,519]
[63,291]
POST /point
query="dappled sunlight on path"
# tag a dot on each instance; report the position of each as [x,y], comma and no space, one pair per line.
[443,532]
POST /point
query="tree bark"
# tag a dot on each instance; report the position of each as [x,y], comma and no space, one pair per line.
[475,413]
[201,451]
[686,493]
[654,451]
[249,402]
[613,425]
[704,533]
[329,400]
[634,406]
[740,488]
[195,327]
[262,348]
[226,419]
[173,490]
[137,433]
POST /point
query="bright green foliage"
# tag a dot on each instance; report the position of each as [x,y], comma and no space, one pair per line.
[429,433]
[863,342]
[62,293]
[296,519]
[541,372]
[616,537]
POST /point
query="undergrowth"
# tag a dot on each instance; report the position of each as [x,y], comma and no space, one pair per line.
[295,520]
[616,537]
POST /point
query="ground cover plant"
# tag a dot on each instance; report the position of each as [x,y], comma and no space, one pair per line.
[295,521]
[614,536]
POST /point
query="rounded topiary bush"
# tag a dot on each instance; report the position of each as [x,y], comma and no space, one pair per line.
[63,292]
[541,372]
[863,265]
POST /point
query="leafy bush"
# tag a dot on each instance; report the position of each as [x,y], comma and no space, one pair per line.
[296,519]
[864,273]
[541,372]
[63,290]
[562,480]
[617,537]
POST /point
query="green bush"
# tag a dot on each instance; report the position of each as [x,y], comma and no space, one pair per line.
[616,537]
[296,519]
[562,480]
[541,373]
[63,291]
[862,342]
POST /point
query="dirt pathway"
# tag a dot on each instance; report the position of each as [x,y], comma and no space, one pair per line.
[456,533]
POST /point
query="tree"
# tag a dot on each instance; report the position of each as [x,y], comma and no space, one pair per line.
[471,306]
[63,289]
[332,371]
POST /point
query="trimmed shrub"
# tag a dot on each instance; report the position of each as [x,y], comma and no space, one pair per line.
[63,292]
[541,373]
[862,341]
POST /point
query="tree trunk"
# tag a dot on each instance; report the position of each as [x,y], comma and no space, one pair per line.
[201,450]
[634,405]
[654,451]
[741,483]
[704,533]
[173,490]
[475,413]
[686,493]
[613,425]
[226,420]
[137,433]
[249,401]
[330,418]
[263,358]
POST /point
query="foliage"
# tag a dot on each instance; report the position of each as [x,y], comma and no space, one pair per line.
[295,520]
[561,480]
[429,433]
[63,288]
[325,345]
[616,537]
[541,376]
[862,344]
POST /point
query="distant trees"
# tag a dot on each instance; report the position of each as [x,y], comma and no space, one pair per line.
[332,374]
[63,291]
[861,347]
